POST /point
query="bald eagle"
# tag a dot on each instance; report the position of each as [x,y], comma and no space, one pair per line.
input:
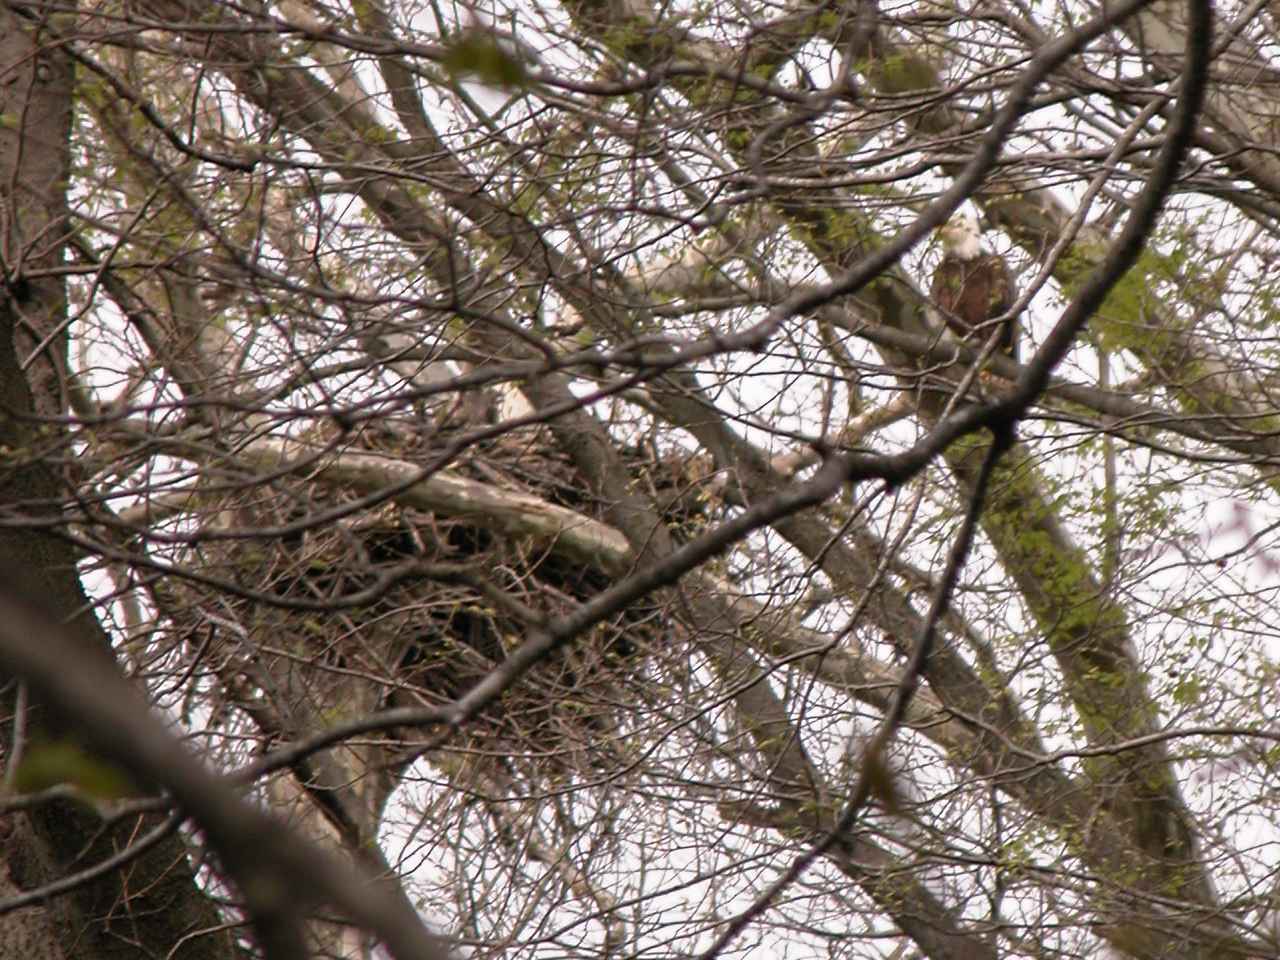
[971,287]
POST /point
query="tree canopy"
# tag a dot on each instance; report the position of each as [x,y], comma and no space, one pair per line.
[490,480]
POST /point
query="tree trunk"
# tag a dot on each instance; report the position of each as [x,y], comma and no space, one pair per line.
[152,908]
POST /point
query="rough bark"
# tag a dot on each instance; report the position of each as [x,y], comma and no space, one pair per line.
[154,907]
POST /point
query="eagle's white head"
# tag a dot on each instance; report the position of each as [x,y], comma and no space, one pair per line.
[960,237]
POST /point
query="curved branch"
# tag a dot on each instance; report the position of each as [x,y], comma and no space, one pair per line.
[277,873]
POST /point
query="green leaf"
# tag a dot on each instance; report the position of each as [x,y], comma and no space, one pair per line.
[49,764]
[477,53]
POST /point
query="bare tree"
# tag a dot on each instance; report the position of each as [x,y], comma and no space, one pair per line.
[514,446]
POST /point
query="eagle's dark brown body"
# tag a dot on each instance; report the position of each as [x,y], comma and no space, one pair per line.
[970,292]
